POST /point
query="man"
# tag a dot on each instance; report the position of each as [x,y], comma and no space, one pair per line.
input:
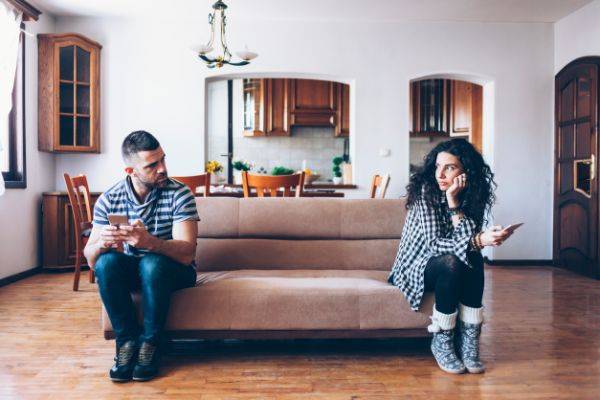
[153,253]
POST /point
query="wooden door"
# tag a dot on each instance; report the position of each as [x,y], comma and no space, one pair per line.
[575,169]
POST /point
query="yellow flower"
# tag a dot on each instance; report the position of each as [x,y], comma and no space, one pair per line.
[213,167]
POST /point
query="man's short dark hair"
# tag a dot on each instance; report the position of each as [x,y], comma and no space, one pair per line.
[138,141]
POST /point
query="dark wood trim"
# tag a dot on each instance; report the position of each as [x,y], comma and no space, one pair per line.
[69,36]
[293,334]
[517,262]
[229,131]
[29,12]
[21,275]
[15,178]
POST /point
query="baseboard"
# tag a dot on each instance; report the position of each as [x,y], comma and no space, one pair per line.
[519,263]
[21,275]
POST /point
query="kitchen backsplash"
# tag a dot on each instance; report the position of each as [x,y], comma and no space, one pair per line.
[316,145]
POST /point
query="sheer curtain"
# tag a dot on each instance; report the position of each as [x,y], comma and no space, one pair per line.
[10,23]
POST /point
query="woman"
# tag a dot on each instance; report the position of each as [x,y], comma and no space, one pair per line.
[448,199]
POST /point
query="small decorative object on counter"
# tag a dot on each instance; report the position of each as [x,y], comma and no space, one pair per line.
[239,166]
[213,168]
[337,170]
[347,173]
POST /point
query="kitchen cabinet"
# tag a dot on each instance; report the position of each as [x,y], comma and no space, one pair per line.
[430,101]
[69,94]
[466,120]
[313,102]
[266,107]
[58,231]
[451,108]
[342,128]
[273,106]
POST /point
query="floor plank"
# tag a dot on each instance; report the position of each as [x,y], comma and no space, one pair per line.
[541,341]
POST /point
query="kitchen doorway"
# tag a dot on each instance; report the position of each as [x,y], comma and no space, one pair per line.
[279,125]
[442,109]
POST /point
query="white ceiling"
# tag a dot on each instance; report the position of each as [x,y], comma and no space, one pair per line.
[327,10]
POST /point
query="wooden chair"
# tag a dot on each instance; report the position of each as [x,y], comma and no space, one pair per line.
[272,184]
[380,182]
[81,208]
[196,181]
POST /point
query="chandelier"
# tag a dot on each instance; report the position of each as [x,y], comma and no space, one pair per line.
[217,17]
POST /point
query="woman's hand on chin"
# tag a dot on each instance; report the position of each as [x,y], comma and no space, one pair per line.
[458,184]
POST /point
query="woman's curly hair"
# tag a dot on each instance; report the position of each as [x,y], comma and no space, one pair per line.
[477,197]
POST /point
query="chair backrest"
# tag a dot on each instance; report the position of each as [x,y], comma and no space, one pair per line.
[380,182]
[81,201]
[196,181]
[272,184]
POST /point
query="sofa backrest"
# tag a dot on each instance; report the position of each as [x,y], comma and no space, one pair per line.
[298,233]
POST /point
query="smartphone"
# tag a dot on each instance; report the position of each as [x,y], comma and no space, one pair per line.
[512,227]
[117,220]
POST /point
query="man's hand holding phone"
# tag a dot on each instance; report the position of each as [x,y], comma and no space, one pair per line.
[137,235]
[112,236]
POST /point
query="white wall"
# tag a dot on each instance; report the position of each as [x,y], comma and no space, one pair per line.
[577,35]
[151,81]
[20,208]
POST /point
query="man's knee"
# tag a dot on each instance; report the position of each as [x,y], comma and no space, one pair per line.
[155,267]
[107,265]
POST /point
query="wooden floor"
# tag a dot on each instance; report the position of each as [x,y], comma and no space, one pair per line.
[541,341]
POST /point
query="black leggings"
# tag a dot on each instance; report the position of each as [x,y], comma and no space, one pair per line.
[453,281]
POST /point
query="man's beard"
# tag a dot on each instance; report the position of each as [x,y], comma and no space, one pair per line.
[159,183]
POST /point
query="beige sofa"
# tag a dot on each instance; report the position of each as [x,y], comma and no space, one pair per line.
[295,268]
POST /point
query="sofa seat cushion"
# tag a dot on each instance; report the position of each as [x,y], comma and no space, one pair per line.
[292,300]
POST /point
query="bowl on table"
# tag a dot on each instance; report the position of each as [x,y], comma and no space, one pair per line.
[309,179]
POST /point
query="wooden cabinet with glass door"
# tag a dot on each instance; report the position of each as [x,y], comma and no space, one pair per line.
[266,107]
[68,93]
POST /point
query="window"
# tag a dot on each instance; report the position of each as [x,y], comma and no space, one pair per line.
[12,136]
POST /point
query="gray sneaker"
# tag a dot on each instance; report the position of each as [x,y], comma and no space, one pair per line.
[442,347]
[467,346]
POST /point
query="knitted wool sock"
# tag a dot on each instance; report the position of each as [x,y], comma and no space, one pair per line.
[469,332]
[442,344]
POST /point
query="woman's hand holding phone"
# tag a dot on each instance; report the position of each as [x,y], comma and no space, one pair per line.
[496,235]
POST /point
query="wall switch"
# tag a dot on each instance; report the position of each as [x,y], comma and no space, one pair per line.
[384,152]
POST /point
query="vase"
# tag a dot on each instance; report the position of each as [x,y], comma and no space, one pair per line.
[237,177]
[337,180]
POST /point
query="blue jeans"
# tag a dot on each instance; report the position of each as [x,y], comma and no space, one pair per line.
[155,275]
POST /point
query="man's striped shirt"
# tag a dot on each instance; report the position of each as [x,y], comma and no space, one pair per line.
[162,208]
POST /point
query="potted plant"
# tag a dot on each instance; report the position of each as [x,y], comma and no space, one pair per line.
[239,166]
[282,171]
[337,170]
[214,167]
